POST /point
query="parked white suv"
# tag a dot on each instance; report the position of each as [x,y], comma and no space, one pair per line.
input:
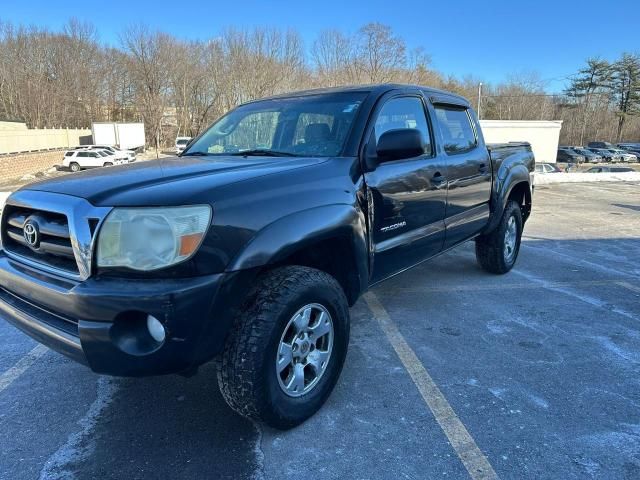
[76,160]
[181,143]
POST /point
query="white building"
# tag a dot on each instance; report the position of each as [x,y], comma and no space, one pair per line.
[543,135]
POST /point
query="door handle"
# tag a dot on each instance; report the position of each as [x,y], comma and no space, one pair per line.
[438,180]
[483,168]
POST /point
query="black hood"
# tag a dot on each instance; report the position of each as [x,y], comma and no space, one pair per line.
[168,181]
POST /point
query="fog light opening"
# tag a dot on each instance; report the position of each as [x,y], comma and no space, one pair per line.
[156,329]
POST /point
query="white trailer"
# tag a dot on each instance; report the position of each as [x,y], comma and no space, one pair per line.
[126,136]
[543,135]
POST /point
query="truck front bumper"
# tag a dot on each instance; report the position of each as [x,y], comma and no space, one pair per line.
[101,322]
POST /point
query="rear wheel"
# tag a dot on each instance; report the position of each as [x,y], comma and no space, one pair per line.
[497,251]
[74,167]
[286,350]
[108,164]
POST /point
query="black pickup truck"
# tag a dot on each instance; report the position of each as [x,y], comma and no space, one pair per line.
[250,247]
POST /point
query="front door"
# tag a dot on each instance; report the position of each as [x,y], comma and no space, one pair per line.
[406,197]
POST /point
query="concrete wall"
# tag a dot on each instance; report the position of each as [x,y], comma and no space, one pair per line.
[542,135]
[12,126]
[16,166]
[14,140]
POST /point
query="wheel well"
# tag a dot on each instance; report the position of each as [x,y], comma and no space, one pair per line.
[522,194]
[334,256]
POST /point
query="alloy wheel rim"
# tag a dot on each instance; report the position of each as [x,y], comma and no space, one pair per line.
[510,239]
[304,350]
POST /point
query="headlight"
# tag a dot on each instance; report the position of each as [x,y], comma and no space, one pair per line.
[151,238]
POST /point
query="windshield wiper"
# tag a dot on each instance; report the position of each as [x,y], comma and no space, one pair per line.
[257,152]
[194,154]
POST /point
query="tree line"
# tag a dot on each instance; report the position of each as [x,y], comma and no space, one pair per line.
[69,78]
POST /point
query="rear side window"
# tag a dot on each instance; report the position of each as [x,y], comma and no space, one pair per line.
[69,154]
[455,124]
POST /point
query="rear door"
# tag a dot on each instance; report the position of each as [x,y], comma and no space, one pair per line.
[469,172]
[406,197]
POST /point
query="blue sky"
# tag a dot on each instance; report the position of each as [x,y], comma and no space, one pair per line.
[490,39]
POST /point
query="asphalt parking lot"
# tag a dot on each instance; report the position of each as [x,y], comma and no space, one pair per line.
[451,373]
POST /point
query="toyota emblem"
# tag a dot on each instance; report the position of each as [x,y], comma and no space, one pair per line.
[31,234]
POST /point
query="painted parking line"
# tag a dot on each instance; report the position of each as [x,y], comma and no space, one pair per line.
[460,439]
[629,286]
[8,377]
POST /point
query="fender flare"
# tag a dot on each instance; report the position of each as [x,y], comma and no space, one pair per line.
[301,229]
[505,182]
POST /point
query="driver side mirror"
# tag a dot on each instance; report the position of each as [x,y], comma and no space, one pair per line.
[399,144]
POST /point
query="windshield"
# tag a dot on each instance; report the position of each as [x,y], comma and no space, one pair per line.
[183,141]
[314,125]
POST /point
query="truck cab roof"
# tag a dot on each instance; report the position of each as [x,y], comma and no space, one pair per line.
[435,94]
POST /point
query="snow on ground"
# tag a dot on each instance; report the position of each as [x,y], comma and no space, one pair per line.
[548,178]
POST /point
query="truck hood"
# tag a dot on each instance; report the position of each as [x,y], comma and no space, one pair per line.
[168,181]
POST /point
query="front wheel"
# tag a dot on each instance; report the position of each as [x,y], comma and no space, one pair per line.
[287,347]
[498,250]
[108,164]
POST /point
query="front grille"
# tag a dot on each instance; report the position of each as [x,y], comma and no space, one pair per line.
[53,239]
[66,324]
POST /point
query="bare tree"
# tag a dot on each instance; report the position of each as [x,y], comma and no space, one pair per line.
[150,60]
[334,57]
[380,53]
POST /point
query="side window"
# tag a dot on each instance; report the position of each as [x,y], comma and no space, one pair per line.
[456,128]
[403,112]
[68,154]
[82,154]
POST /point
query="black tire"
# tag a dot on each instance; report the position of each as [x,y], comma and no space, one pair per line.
[108,164]
[74,167]
[246,368]
[492,250]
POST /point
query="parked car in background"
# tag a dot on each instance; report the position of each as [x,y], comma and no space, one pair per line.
[566,155]
[600,145]
[589,156]
[80,159]
[547,168]
[181,143]
[631,148]
[606,154]
[610,170]
[625,156]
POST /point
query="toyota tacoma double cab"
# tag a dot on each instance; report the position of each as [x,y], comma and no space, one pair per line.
[250,247]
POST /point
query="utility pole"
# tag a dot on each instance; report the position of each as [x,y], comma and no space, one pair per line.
[479,100]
